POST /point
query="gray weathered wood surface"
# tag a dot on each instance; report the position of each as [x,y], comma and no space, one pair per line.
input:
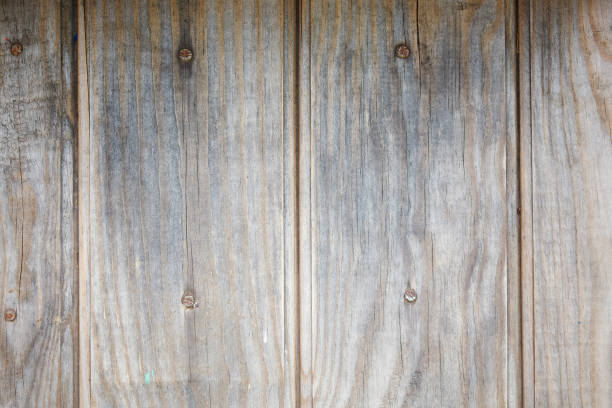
[191,188]
[410,188]
[297,178]
[567,178]
[38,350]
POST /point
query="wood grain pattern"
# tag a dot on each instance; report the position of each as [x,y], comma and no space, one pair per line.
[38,351]
[569,149]
[513,239]
[409,188]
[191,188]
[83,198]
[526,216]
[297,178]
[304,214]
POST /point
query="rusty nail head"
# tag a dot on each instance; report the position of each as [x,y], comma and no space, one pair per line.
[410,296]
[16,48]
[402,51]
[188,300]
[10,315]
[185,55]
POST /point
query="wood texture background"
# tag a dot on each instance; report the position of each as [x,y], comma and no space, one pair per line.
[38,351]
[567,156]
[409,188]
[192,188]
[297,178]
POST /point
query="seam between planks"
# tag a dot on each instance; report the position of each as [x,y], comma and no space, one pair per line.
[82,159]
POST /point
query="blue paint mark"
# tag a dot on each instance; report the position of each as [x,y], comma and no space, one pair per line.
[148,377]
[75,38]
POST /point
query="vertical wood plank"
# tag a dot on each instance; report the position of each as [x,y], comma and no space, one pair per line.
[526,197]
[38,350]
[192,188]
[410,188]
[570,146]
[291,217]
[513,289]
[304,213]
[83,165]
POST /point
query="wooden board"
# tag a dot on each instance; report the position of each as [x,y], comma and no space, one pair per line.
[409,187]
[38,350]
[567,153]
[297,178]
[191,187]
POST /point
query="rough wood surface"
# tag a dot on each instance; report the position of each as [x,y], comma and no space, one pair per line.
[409,188]
[569,177]
[513,272]
[83,199]
[191,188]
[38,350]
[304,214]
[525,165]
[296,177]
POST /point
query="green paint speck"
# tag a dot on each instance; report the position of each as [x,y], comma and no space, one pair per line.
[148,377]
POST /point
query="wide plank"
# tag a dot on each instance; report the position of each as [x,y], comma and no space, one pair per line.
[410,188]
[191,190]
[567,151]
[38,276]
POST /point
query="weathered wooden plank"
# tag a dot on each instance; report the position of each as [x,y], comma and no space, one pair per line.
[38,279]
[513,279]
[304,215]
[526,198]
[409,188]
[570,154]
[192,188]
[83,199]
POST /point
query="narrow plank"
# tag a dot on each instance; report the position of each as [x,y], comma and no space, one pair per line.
[192,188]
[83,164]
[291,219]
[304,214]
[38,279]
[513,240]
[526,198]
[570,80]
[409,188]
